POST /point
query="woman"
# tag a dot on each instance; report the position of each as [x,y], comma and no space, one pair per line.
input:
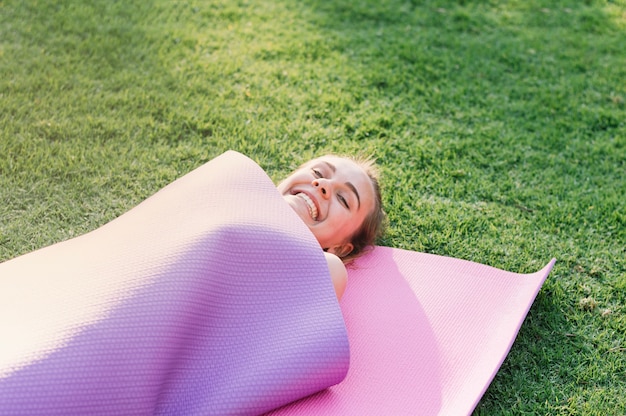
[185,304]
[339,200]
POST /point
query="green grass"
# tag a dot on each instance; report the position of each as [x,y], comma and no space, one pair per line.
[499,127]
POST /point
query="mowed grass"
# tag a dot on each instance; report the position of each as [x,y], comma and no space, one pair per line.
[499,127]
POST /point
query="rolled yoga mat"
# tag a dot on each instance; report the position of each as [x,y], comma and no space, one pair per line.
[213,298]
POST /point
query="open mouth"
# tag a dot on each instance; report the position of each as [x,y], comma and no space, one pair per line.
[312,208]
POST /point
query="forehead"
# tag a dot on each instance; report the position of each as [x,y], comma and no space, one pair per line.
[339,165]
[346,170]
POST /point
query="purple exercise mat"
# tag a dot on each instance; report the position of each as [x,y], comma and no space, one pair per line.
[210,298]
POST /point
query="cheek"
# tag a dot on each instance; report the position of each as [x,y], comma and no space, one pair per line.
[344,225]
[355,223]
[284,185]
[291,181]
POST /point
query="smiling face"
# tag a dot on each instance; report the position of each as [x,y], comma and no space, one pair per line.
[333,196]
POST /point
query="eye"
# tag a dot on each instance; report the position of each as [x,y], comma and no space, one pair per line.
[343,201]
[317,173]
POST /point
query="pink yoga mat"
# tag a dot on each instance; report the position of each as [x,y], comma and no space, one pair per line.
[211,297]
[427,334]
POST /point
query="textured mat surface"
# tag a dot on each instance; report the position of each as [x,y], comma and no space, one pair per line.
[211,297]
[427,334]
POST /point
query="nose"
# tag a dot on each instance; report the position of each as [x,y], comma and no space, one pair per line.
[323,185]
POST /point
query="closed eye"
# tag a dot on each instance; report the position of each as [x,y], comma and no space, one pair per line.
[343,201]
[317,173]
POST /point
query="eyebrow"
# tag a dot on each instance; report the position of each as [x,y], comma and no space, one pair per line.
[330,166]
[348,184]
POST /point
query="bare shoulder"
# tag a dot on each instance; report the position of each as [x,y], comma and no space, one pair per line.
[338,273]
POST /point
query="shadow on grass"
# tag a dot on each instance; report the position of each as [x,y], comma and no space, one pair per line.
[526,66]
[526,96]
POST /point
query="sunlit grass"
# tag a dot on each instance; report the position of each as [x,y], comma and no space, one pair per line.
[499,127]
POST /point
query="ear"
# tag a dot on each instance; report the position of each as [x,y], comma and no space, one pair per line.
[341,250]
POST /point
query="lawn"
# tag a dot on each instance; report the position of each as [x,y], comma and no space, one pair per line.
[499,127]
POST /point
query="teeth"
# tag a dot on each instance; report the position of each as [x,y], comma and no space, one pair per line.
[312,207]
